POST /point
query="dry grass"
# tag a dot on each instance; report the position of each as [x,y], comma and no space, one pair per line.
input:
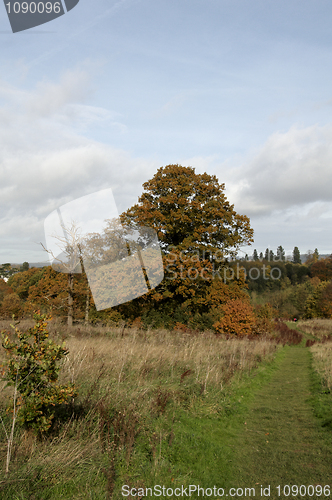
[127,379]
[318,327]
[58,326]
[128,364]
[322,358]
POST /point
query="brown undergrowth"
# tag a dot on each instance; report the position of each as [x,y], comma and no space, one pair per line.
[285,335]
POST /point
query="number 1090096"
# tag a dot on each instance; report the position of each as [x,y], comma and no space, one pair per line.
[33,7]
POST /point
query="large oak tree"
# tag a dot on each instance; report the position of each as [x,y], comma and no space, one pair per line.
[190,210]
[198,229]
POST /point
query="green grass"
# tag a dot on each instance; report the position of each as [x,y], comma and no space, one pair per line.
[286,440]
[184,422]
[268,424]
[204,436]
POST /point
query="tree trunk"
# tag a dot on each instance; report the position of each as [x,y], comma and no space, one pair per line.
[87,306]
[87,300]
[70,299]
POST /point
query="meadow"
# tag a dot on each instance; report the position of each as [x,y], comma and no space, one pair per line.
[160,407]
[139,393]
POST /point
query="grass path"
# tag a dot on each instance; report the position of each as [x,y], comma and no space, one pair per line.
[282,441]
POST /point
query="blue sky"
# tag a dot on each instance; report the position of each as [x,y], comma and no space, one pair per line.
[108,93]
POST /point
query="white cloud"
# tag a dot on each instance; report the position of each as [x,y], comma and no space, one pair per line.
[290,169]
[284,187]
[48,97]
[46,160]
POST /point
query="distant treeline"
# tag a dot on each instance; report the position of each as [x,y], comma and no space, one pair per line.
[262,289]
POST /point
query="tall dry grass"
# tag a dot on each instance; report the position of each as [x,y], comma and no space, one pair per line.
[322,361]
[317,327]
[127,379]
[130,363]
[321,348]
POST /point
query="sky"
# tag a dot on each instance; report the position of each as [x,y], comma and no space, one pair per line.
[111,91]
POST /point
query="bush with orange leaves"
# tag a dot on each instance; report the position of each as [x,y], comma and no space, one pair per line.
[238,318]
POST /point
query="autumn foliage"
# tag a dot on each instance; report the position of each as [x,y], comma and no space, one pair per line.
[237,319]
[322,269]
[4,289]
[45,289]
[189,210]
[205,285]
[199,231]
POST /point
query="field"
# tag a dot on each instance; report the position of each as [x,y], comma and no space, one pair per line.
[133,388]
[174,408]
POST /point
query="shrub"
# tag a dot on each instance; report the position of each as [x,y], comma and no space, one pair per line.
[11,304]
[264,319]
[33,369]
[238,318]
